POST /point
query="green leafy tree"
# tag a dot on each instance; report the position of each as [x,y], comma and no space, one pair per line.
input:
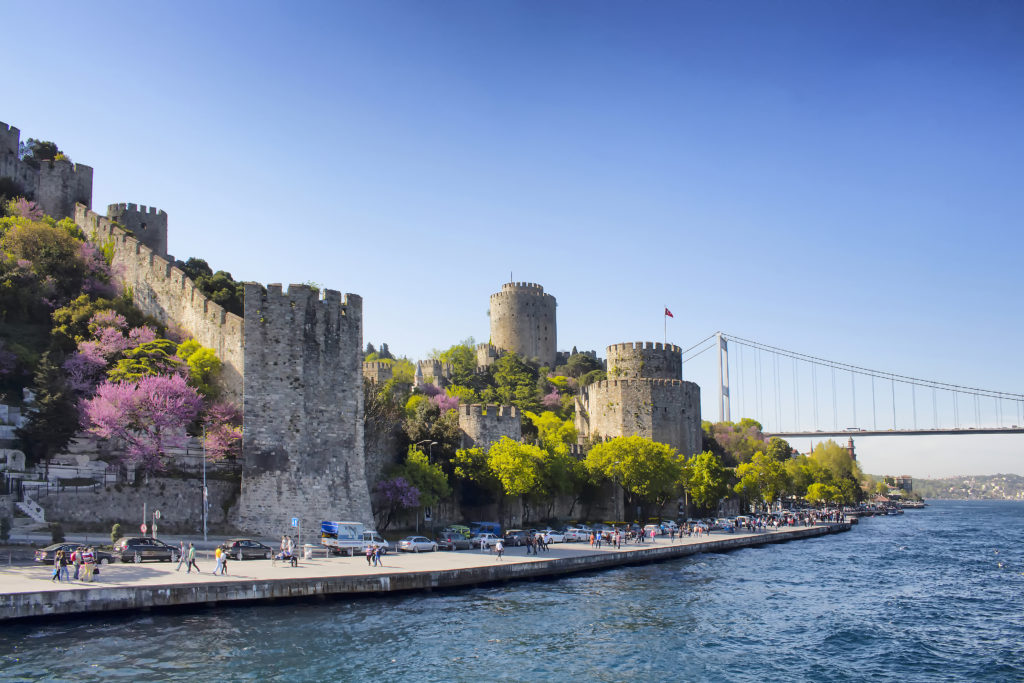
[821,493]
[515,382]
[471,465]
[428,477]
[462,357]
[779,449]
[763,479]
[147,360]
[53,424]
[706,480]
[203,366]
[579,365]
[649,472]
[71,322]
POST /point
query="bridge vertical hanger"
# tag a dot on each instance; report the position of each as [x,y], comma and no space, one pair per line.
[723,379]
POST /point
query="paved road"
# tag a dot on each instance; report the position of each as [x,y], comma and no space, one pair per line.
[24,579]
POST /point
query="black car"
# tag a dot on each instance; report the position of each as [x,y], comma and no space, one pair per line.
[246,549]
[453,541]
[142,548]
[46,554]
[516,537]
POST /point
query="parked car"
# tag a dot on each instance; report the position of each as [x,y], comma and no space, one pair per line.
[652,527]
[575,534]
[142,548]
[246,549]
[484,541]
[46,554]
[458,529]
[516,537]
[377,541]
[552,536]
[415,544]
[453,541]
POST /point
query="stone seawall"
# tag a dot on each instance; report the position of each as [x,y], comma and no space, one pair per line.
[134,598]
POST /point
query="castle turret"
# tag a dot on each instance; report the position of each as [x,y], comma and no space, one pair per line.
[645,360]
[303,445]
[149,226]
[523,321]
[483,425]
[56,186]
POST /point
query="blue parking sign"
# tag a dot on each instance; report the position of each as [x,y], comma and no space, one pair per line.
[295,521]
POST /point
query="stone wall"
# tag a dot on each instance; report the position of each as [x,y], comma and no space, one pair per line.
[377,371]
[180,502]
[166,293]
[303,445]
[523,320]
[645,360]
[147,226]
[666,411]
[56,186]
[483,425]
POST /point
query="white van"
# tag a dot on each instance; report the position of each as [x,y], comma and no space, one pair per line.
[376,540]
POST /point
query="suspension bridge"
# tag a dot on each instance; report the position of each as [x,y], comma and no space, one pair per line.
[794,394]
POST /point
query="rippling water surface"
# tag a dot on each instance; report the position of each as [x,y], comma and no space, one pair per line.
[935,594]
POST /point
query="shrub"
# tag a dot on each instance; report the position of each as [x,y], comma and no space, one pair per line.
[115,533]
[56,532]
[5,529]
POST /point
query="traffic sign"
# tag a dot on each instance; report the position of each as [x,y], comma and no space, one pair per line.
[142,528]
[295,521]
[156,515]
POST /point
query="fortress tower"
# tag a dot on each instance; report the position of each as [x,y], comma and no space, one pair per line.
[483,425]
[644,395]
[147,226]
[56,186]
[523,321]
[303,446]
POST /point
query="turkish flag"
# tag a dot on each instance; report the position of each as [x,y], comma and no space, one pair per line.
[669,313]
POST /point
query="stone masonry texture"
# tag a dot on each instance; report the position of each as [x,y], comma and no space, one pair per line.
[56,186]
[483,425]
[523,321]
[303,445]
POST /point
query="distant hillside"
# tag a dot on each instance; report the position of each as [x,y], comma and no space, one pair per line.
[989,487]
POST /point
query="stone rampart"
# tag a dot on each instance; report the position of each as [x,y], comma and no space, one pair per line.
[434,371]
[663,410]
[180,502]
[483,425]
[486,356]
[523,320]
[377,371]
[164,291]
[303,445]
[56,186]
[652,360]
[149,226]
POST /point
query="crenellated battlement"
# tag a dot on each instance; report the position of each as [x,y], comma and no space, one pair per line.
[165,292]
[642,346]
[520,289]
[483,425]
[147,224]
[56,186]
[652,360]
[10,137]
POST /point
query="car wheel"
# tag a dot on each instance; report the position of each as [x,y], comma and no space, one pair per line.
[137,559]
[415,548]
[105,560]
[266,555]
[433,549]
[239,556]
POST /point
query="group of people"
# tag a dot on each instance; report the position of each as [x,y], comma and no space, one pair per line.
[83,559]
[374,555]
[188,558]
[287,551]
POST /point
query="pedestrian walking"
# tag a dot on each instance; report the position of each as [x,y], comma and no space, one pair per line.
[499,549]
[191,559]
[181,555]
[89,564]
[218,554]
[370,555]
[64,566]
[654,535]
[56,567]
[377,560]
[76,561]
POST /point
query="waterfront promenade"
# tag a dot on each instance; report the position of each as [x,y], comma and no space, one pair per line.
[27,591]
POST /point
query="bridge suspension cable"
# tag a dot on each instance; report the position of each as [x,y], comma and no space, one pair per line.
[762,394]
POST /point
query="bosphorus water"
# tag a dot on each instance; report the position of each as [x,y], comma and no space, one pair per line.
[932,595]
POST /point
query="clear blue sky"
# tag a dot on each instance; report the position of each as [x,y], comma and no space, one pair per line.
[842,179]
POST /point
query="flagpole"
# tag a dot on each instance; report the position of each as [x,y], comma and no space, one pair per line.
[664,317]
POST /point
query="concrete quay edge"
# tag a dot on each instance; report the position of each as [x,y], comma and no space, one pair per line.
[53,603]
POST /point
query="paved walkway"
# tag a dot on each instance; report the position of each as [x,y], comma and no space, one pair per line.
[36,578]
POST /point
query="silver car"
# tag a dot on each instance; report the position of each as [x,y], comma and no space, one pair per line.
[415,544]
[484,541]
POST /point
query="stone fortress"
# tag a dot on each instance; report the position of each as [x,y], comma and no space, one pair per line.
[56,186]
[644,395]
[294,363]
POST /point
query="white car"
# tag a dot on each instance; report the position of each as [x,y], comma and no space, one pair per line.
[415,544]
[576,535]
[552,536]
[484,541]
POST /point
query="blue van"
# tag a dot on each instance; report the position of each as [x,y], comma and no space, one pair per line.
[477,528]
